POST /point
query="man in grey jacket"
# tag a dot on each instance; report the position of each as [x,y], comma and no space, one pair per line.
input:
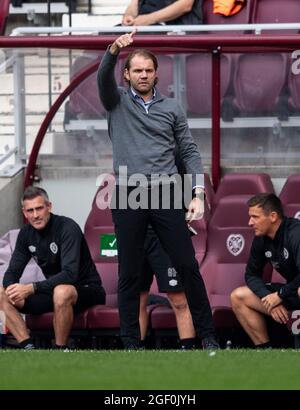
[145,127]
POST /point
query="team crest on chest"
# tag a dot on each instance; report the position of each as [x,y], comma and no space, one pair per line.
[32,248]
[53,248]
[235,243]
[268,254]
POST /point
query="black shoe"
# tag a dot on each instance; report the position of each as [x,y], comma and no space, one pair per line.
[132,343]
[134,347]
[210,343]
[29,346]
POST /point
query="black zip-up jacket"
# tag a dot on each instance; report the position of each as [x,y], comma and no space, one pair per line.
[283,252]
[59,249]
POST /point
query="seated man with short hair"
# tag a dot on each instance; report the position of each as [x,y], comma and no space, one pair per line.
[277,241]
[72,282]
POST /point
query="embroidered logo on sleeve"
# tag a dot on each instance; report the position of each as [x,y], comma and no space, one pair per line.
[285,253]
[53,248]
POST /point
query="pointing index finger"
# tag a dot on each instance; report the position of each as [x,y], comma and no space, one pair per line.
[134,31]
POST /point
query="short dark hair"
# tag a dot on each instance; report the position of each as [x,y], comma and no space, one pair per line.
[140,52]
[32,192]
[268,201]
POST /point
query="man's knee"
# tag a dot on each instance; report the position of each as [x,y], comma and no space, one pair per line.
[237,296]
[64,295]
[3,296]
[178,301]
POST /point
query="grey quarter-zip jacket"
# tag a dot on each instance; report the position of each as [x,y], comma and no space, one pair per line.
[144,141]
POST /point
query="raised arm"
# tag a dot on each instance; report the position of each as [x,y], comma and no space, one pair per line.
[108,89]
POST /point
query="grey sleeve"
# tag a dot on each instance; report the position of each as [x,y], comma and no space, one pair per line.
[188,149]
[107,86]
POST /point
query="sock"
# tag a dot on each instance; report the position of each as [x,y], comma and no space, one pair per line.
[61,347]
[27,344]
[266,345]
[188,344]
[142,343]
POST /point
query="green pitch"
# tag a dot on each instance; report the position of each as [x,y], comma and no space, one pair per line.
[150,370]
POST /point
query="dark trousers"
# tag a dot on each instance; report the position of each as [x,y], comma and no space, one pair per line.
[171,229]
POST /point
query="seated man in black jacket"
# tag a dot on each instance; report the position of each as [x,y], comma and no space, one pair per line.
[72,282]
[149,12]
[277,241]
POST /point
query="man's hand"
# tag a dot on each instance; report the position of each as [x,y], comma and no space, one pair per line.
[127,20]
[123,41]
[195,210]
[280,314]
[17,292]
[270,301]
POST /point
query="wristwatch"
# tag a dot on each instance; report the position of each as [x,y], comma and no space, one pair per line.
[281,292]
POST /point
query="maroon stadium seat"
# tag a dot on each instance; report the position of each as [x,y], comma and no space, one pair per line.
[4,10]
[99,220]
[103,320]
[243,183]
[229,243]
[45,321]
[290,196]
[258,83]
[198,82]
[294,85]
[276,11]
